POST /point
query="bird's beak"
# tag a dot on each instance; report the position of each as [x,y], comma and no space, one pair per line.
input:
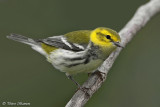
[118,44]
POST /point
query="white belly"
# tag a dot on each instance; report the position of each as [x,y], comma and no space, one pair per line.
[58,60]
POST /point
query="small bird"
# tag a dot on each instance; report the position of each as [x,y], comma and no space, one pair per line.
[77,51]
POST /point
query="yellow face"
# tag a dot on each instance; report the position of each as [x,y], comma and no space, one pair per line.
[105,37]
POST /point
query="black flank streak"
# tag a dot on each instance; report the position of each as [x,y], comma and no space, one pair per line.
[91,55]
[74,59]
[69,66]
[87,60]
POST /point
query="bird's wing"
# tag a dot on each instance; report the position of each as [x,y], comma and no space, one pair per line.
[75,41]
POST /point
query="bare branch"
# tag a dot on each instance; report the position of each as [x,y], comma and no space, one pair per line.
[141,17]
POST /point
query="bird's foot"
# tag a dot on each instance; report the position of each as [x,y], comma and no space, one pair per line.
[89,74]
[100,74]
[85,90]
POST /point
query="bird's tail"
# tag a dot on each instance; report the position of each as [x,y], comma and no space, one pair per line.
[22,39]
[33,43]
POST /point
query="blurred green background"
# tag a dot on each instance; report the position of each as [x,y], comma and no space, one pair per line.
[26,76]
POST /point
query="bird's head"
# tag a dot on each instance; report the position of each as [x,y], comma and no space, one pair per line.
[105,37]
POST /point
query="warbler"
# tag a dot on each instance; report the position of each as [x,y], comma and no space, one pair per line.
[77,51]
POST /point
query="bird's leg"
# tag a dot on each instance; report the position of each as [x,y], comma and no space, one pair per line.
[84,89]
[71,78]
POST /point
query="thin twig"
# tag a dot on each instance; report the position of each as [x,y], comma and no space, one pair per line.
[94,82]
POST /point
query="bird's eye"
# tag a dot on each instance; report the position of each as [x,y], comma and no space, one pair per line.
[108,36]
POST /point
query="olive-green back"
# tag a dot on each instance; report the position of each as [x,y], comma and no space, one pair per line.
[79,37]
